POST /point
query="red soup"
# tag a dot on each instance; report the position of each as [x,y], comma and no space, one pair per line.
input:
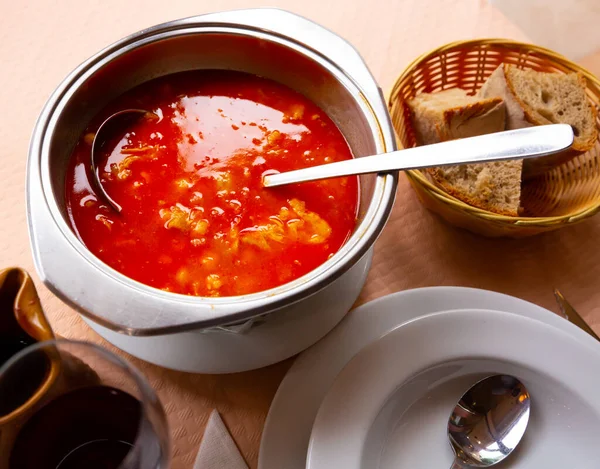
[196,219]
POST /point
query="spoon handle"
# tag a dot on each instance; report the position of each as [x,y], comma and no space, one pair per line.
[508,145]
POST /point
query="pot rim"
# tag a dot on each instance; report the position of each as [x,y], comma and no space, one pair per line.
[215,311]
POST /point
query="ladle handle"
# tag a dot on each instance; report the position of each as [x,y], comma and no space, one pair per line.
[508,145]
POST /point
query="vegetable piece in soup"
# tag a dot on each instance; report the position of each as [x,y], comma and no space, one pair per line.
[196,219]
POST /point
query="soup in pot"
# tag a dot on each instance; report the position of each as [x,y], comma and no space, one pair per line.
[195,218]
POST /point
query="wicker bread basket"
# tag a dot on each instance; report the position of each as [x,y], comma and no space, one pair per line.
[563,195]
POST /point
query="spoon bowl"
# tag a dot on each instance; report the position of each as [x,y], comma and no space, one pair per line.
[488,422]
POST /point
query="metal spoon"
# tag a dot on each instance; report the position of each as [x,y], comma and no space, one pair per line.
[113,126]
[488,422]
[509,145]
[513,144]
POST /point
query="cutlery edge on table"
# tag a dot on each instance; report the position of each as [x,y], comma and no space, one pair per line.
[571,314]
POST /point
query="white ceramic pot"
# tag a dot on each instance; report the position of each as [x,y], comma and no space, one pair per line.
[210,335]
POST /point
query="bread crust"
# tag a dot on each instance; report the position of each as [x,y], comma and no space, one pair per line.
[468,119]
[483,116]
[579,145]
[434,123]
[497,85]
[434,173]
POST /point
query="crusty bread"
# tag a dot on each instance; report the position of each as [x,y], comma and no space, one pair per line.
[495,186]
[538,98]
[452,114]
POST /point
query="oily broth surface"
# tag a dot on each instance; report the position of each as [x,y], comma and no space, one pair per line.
[196,219]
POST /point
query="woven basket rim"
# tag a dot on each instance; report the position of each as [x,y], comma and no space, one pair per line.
[418,177]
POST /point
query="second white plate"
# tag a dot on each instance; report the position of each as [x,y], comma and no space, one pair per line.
[287,430]
[389,406]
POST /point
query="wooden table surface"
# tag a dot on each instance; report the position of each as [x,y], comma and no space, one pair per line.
[40,42]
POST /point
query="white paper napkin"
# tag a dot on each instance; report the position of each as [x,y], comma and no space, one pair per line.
[218,450]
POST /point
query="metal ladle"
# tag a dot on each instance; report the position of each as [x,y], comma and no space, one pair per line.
[488,422]
[509,145]
[114,125]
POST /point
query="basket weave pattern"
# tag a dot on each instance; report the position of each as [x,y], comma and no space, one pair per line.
[563,195]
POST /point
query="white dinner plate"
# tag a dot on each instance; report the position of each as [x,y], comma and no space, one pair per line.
[389,406]
[287,429]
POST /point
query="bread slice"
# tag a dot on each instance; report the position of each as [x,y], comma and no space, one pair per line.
[495,187]
[452,114]
[538,98]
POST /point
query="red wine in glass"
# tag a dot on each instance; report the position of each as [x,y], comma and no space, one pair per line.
[89,428]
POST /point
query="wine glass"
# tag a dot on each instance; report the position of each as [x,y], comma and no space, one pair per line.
[69,405]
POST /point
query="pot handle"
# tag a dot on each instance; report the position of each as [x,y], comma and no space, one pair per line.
[238,328]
